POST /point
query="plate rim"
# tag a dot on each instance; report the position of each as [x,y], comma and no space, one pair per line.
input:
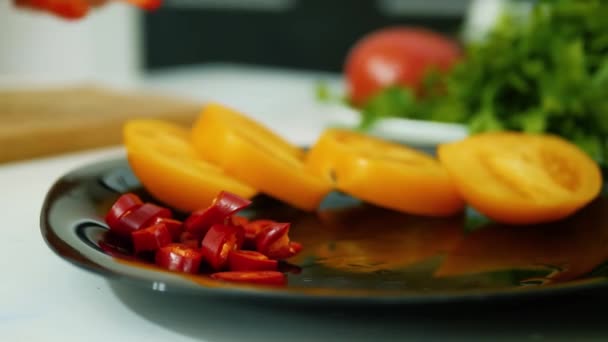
[62,249]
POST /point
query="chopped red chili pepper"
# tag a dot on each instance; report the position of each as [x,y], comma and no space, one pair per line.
[179,258]
[219,241]
[252,229]
[250,261]
[151,238]
[189,240]
[258,277]
[175,227]
[273,241]
[122,206]
[178,247]
[295,247]
[224,205]
[140,217]
[237,220]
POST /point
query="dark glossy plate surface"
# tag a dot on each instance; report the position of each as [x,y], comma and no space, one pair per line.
[353,253]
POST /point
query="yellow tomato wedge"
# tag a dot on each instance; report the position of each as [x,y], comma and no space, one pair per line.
[163,159]
[252,153]
[520,178]
[385,174]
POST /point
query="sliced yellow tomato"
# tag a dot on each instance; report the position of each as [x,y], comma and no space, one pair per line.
[384,173]
[520,178]
[163,159]
[252,153]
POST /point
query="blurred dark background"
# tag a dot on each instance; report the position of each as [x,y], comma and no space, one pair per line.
[299,34]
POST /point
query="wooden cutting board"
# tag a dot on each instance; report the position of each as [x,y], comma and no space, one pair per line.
[35,123]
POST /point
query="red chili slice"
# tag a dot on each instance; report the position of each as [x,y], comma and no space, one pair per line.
[224,205]
[219,241]
[295,247]
[237,220]
[252,229]
[151,238]
[250,261]
[258,277]
[175,227]
[273,241]
[122,206]
[141,217]
[189,239]
[179,258]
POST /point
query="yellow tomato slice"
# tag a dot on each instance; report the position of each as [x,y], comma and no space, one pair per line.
[252,153]
[520,178]
[163,159]
[385,174]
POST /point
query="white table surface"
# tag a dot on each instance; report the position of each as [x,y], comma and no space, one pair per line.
[44,298]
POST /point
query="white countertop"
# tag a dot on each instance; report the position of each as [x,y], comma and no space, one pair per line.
[44,298]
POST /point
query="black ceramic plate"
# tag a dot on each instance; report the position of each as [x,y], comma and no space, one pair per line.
[353,253]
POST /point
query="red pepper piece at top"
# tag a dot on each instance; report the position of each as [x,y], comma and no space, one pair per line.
[67,9]
[151,238]
[179,258]
[122,206]
[175,227]
[149,5]
[250,261]
[140,217]
[273,278]
[273,241]
[223,206]
[219,241]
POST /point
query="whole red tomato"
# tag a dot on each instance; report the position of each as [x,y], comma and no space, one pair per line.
[396,56]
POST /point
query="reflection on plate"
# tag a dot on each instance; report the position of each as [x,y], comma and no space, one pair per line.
[353,253]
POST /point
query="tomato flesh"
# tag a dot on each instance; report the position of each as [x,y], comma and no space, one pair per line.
[252,153]
[162,157]
[383,173]
[396,56]
[519,178]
